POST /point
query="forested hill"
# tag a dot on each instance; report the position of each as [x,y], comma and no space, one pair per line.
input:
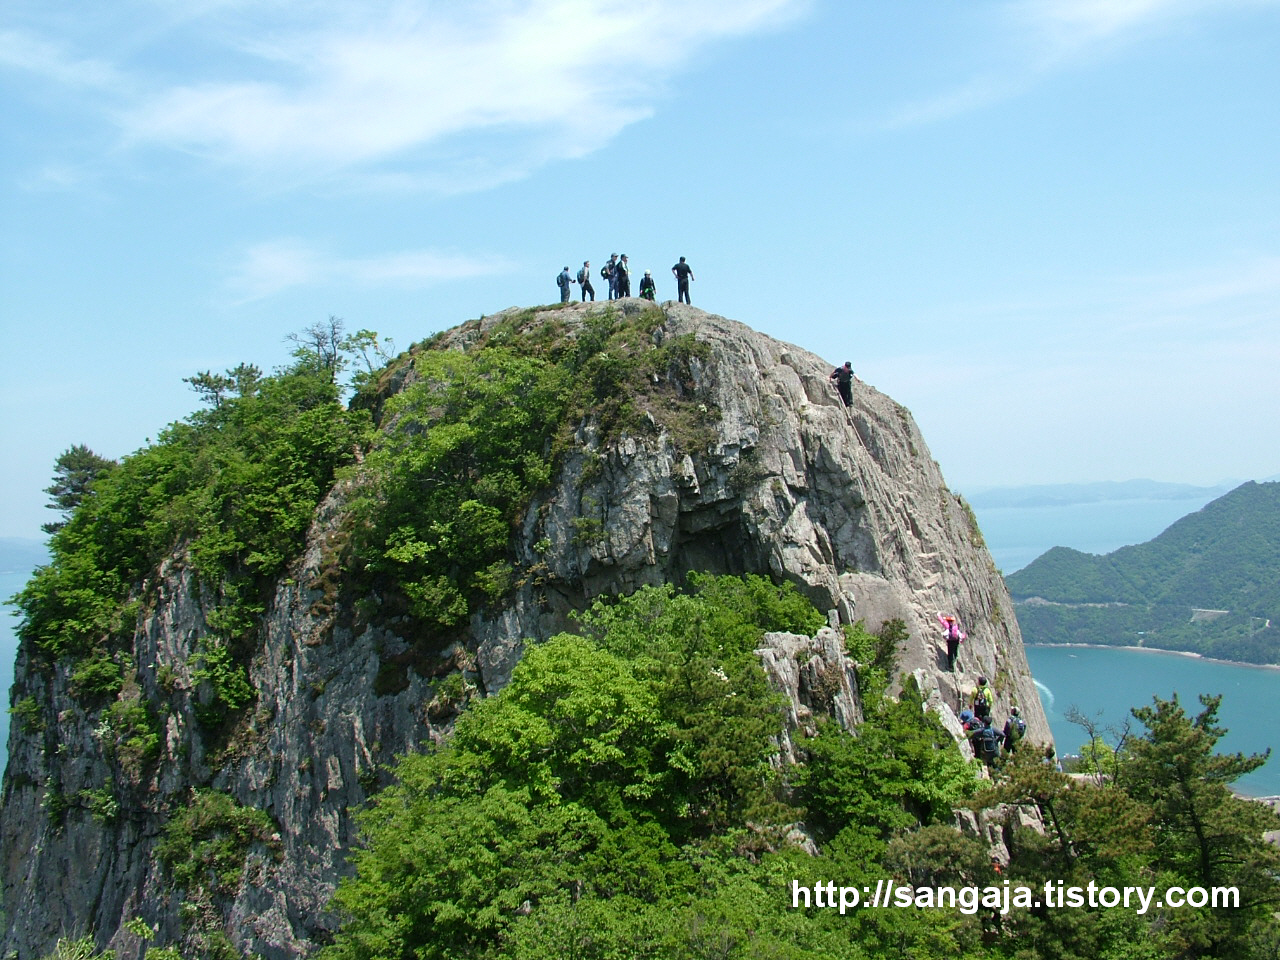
[1209,584]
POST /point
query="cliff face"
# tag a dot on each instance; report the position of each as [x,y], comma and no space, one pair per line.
[845,503]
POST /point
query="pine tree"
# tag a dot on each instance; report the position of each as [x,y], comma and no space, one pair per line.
[74,471]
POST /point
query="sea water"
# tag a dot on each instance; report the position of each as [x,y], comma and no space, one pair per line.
[1104,683]
[10,583]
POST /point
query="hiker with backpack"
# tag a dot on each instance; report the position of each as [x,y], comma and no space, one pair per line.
[843,376]
[986,742]
[584,281]
[954,636]
[647,290]
[608,272]
[563,282]
[1015,728]
[982,701]
[622,277]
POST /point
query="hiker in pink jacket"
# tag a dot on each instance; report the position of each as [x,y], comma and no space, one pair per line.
[954,636]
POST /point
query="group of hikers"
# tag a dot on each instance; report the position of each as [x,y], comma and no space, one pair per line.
[617,274]
[989,742]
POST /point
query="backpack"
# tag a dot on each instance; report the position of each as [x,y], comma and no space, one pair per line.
[989,740]
[982,698]
[1017,727]
[562,280]
[606,271]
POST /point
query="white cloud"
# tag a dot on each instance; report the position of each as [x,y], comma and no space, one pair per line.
[1073,25]
[1045,36]
[271,267]
[28,53]
[308,90]
[973,95]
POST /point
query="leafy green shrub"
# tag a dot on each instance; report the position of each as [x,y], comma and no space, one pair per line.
[96,678]
[102,804]
[206,842]
[465,448]
[900,770]
[28,714]
[136,735]
[227,689]
[874,654]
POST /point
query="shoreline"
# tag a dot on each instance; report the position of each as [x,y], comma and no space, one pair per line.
[1176,653]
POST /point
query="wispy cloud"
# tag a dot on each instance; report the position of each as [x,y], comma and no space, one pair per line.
[278,265]
[313,89]
[1070,27]
[29,53]
[1046,36]
[972,95]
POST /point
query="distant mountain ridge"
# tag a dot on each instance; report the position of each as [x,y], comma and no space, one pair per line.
[1209,584]
[1065,494]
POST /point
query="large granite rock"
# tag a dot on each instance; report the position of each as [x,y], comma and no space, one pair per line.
[846,503]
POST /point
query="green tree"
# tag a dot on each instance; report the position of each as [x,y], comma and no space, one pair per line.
[1206,835]
[598,798]
[235,487]
[74,472]
[900,769]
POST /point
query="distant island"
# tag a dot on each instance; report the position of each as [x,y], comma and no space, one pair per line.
[1210,584]
[1067,494]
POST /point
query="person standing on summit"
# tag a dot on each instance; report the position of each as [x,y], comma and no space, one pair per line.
[683,274]
[563,282]
[584,280]
[622,276]
[610,272]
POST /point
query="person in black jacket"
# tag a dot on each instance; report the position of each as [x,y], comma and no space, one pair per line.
[843,376]
[622,276]
[647,290]
[610,272]
[683,274]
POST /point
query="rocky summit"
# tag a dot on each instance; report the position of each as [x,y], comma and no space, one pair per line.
[734,454]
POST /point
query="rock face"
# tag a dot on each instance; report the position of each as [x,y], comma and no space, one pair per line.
[846,503]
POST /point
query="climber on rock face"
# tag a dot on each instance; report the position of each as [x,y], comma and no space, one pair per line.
[1015,728]
[982,700]
[954,636]
[986,741]
[843,376]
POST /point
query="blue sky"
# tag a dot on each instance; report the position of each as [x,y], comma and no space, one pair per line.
[1048,227]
